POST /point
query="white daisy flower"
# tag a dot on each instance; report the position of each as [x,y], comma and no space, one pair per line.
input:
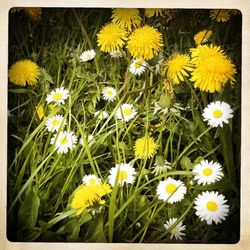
[126,112]
[116,53]
[101,115]
[54,123]
[90,180]
[109,94]
[175,231]
[90,140]
[58,96]
[126,174]
[138,66]
[210,206]
[64,141]
[171,190]
[216,113]
[207,172]
[87,55]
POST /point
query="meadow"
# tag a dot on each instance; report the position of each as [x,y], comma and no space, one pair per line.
[124,125]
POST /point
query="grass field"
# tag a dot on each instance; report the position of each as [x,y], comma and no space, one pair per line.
[124,125]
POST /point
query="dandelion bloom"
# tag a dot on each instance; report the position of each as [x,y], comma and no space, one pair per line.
[126,18]
[212,68]
[171,190]
[176,231]
[220,15]
[124,173]
[207,172]
[202,37]
[33,13]
[87,196]
[153,12]
[24,72]
[177,67]
[210,206]
[111,37]
[145,42]
[145,147]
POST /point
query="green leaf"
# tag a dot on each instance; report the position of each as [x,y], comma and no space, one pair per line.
[137,207]
[96,233]
[46,77]
[28,212]
[21,91]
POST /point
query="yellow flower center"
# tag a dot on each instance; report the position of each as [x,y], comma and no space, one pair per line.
[117,53]
[56,122]
[127,111]
[122,175]
[57,96]
[212,206]
[64,140]
[138,64]
[207,171]
[92,181]
[173,231]
[170,188]
[109,92]
[217,113]
[89,56]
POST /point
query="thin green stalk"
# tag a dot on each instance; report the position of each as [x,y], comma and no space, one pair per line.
[190,145]
[29,181]
[175,224]
[86,36]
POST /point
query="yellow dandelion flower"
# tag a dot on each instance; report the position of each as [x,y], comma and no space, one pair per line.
[168,87]
[220,15]
[111,37]
[24,72]
[126,18]
[145,147]
[177,67]
[153,12]
[145,42]
[88,196]
[202,37]
[212,68]
[33,13]
[40,111]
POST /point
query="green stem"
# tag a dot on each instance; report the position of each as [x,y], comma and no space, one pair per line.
[190,145]
[85,34]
